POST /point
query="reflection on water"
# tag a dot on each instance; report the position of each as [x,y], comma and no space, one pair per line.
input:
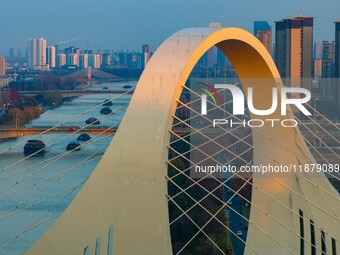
[41,187]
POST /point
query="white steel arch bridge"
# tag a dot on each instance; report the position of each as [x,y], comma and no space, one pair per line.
[123,208]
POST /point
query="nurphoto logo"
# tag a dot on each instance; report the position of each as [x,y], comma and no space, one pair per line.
[239,104]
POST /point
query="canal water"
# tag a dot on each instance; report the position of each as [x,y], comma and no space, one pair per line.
[35,191]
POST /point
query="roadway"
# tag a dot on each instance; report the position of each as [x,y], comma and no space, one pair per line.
[236,222]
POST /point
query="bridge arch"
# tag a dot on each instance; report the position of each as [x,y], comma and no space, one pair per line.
[125,195]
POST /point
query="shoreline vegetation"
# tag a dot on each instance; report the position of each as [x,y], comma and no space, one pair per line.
[30,108]
[22,110]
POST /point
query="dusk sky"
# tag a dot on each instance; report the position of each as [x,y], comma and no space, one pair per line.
[127,24]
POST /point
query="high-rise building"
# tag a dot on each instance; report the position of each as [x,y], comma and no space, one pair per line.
[317,68]
[51,56]
[317,54]
[83,61]
[57,50]
[317,60]
[32,53]
[72,56]
[61,60]
[20,54]
[137,58]
[125,59]
[37,53]
[328,59]
[211,56]
[294,50]
[146,54]
[337,48]
[71,50]
[12,53]
[328,85]
[263,31]
[337,61]
[94,60]
[72,59]
[41,53]
[106,59]
[2,66]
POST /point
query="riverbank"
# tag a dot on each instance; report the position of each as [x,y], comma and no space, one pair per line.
[31,108]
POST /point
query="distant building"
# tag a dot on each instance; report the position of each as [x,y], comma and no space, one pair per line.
[263,31]
[41,54]
[20,54]
[4,81]
[337,62]
[71,50]
[337,48]
[2,66]
[83,61]
[61,60]
[57,50]
[137,60]
[215,24]
[328,59]
[211,55]
[72,56]
[317,61]
[72,60]
[51,56]
[317,68]
[222,62]
[127,60]
[328,85]
[146,54]
[294,50]
[106,59]
[32,53]
[37,53]
[317,54]
[94,60]
[12,53]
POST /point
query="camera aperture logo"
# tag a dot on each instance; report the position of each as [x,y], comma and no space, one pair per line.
[238,104]
[210,91]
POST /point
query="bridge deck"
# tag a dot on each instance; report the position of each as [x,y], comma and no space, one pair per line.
[16,132]
[75,92]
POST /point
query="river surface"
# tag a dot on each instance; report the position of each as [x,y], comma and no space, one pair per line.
[35,191]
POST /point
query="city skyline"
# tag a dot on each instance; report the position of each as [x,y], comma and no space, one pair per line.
[129,24]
